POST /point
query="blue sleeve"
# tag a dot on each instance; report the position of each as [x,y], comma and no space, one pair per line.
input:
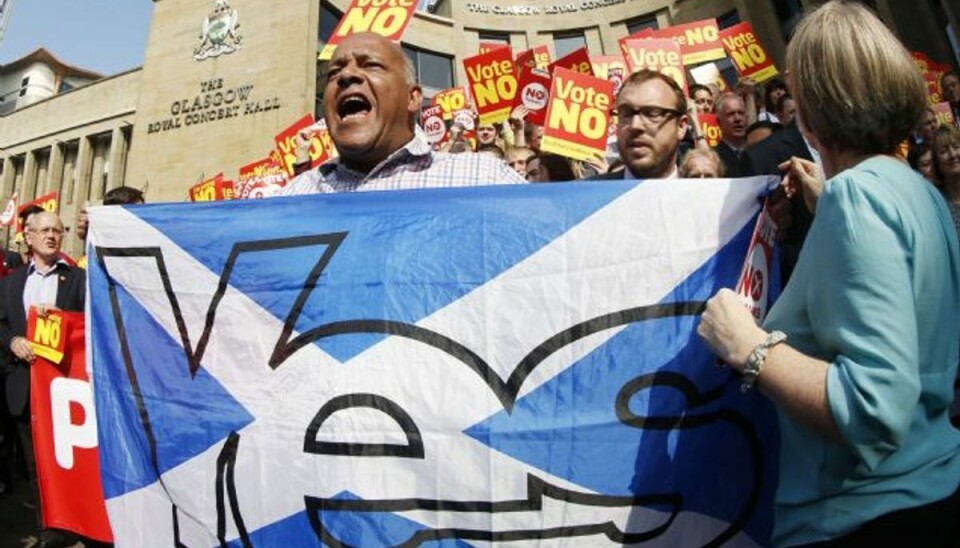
[863,314]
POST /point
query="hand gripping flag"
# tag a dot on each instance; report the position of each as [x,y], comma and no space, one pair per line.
[509,366]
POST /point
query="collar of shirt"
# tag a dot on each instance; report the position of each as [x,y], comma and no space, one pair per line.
[415,147]
[32,268]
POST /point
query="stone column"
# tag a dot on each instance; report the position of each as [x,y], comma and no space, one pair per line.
[55,169]
[6,190]
[7,178]
[28,189]
[118,158]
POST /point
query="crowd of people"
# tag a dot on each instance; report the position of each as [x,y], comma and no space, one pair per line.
[38,275]
[860,352]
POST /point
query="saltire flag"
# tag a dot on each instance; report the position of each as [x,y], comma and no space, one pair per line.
[508,365]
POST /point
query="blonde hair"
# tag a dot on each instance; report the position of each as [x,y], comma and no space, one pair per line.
[854,82]
[701,152]
[945,137]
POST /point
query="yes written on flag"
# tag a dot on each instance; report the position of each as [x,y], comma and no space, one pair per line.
[505,365]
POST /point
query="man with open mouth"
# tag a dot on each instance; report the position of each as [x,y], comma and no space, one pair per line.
[371,103]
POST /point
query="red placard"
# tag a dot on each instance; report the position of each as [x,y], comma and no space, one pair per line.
[65,427]
[387,19]
[451,100]
[699,41]
[615,75]
[577,61]
[431,119]
[212,190]
[746,52]
[932,72]
[538,57]
[710,128]
[49,202]
[321,145]
[493,84]
[659,54]
[578,115]
[467,119]
[9,215]
[934,95]
[260,179]
[487,47]
[754,284]
[603,63]
[534,94]
[944,114]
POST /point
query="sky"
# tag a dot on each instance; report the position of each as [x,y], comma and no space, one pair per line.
[105,36]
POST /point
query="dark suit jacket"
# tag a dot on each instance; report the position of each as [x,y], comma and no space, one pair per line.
[763,159]
[71,293]
[730,158]
[612,176]
[12,259]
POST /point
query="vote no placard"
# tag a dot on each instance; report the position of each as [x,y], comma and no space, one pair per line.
[578,114]
[388,18]
[746,52]
[656,54]
[493,84]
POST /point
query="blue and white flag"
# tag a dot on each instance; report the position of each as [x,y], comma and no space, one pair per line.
[501,366]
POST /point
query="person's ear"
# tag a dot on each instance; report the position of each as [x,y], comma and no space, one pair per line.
[416,99]
[682,123]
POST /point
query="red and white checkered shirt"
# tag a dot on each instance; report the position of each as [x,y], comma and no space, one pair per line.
[414,166]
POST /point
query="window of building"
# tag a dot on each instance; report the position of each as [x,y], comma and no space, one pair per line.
[567,43]
[429,6]
[64,87]
[789,13]
[434,71]
[496,37]
[23,86]
[637,24]
[329,17]
[728,19]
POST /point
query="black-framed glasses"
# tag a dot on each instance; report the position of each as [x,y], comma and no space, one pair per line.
[650,115]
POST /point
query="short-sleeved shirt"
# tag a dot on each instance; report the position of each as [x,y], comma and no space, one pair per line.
[876,292]
[413,166]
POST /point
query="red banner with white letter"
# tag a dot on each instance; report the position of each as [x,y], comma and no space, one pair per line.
[65,427]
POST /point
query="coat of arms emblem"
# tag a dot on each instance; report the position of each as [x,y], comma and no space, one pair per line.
[218,33]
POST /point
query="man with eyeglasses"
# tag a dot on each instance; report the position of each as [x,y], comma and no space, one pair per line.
[48,283]
[651,113]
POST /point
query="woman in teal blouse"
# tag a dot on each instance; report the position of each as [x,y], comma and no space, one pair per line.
[860,351]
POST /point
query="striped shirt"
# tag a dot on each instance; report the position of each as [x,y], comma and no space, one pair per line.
[414,166]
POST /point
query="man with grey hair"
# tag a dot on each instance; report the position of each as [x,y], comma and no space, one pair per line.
[371,101]
[733,122]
